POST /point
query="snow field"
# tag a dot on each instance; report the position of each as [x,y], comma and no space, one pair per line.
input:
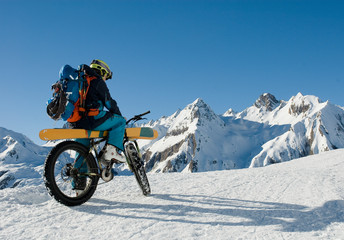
[300,199]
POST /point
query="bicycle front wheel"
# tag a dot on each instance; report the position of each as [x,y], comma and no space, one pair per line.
[70,173]
[137,166]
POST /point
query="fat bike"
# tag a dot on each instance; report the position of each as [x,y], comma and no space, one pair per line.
[72,171]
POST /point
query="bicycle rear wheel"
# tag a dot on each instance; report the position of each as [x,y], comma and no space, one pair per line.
[137,166]
[70,173]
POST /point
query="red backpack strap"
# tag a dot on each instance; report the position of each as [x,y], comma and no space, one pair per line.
[80,106]
[84,90]
[83,93]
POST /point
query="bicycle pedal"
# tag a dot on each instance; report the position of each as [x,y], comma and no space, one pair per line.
[115,161]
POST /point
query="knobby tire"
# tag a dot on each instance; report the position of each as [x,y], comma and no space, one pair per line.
[137,166]
[59,184]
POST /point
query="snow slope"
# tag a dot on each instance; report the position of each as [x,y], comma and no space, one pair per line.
[299,199]
[21,161]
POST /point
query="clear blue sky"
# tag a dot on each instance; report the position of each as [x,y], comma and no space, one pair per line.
[165,54]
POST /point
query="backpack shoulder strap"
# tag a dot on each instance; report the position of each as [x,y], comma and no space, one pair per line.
[83,92]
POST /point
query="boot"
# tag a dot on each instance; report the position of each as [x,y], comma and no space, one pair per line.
[111,153]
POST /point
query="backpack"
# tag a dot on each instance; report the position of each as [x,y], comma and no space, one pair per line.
[69,97]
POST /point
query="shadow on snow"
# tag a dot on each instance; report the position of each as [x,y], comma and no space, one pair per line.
[208,210]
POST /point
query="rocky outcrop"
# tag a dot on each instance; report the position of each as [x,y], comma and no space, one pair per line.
[268,101]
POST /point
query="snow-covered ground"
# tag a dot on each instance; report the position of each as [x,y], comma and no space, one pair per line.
[300,199]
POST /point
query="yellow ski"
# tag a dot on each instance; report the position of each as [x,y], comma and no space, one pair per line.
[61,133]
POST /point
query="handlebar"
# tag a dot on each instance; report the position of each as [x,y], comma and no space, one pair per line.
[138,117]
[142,114]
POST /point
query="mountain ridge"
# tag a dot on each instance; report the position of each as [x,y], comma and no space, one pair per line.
[270,131]
[196,139]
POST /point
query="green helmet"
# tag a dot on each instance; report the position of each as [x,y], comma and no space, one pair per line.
[101,68]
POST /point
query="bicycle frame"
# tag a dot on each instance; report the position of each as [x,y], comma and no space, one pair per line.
[126,140]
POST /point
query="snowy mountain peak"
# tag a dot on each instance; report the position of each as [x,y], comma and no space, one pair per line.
[200,110]
[301,104]
[198,106]
[268,101]
[229,113]
[182,138]
[20,159]
[270,131]
[194,114]
[12,136]
[198,101]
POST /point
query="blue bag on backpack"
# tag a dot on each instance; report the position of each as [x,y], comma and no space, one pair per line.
[66,94]
[70,84]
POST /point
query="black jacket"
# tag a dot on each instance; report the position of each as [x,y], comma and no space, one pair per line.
[98,97]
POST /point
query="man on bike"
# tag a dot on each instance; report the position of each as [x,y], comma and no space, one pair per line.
[98,97]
